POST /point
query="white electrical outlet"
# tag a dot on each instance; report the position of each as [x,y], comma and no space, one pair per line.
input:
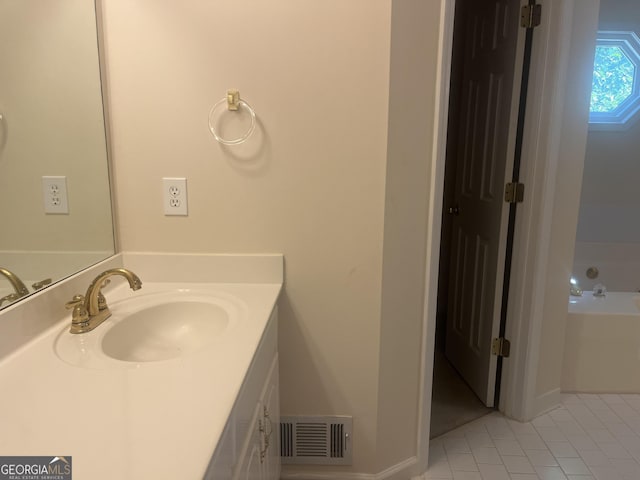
[54,192]
[174,196]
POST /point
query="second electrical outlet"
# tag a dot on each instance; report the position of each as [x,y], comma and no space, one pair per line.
[175,196]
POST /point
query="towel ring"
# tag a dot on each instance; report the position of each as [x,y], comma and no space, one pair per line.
[233,102]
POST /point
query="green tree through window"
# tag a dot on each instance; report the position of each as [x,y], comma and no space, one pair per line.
[615,91]
[613,76]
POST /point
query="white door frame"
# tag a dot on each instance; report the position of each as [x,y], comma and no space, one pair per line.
[542,143]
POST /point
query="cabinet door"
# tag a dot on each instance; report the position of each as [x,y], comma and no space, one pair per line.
[250,466]
[271,422]
[252,438]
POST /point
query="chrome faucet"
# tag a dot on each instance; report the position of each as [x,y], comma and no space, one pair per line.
[91,310]
[20,288]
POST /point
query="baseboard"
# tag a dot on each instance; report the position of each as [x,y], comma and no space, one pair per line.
[399,471]
[545,402]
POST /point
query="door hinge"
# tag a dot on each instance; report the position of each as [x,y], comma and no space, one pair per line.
[501,347]
[530,16]
[514,192]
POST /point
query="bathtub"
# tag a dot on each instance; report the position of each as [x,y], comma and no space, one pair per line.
[602,344]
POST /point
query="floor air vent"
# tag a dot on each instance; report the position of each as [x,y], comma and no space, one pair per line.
[316,440]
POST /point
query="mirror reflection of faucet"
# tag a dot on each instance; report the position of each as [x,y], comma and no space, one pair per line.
[41,284]
[12,297]
[18,285]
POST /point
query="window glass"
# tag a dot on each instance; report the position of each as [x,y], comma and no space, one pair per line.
[615,94]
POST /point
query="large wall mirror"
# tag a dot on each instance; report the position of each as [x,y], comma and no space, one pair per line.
[52,125]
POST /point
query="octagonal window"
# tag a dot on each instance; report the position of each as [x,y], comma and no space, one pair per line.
[615,94]
[613,76]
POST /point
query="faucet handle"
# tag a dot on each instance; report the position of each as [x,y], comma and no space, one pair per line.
[75,301]
[80,314]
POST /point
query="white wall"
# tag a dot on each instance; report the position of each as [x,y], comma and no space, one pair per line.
[609,198]
[310,183]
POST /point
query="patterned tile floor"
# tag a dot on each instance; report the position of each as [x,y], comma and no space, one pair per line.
[590,437]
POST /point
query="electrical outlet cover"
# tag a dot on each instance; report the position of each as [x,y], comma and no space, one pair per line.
[174,196]
[54,194]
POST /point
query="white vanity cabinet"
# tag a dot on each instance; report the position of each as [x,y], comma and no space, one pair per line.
[249,446]
[271,419]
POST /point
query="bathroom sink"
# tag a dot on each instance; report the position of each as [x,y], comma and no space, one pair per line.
[164,331]
[153,327]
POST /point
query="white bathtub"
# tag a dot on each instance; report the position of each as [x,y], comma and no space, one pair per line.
[602,344]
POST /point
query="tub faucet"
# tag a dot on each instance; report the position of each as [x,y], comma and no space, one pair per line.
[91,310]
[20,288]
[574,289]
[599,290]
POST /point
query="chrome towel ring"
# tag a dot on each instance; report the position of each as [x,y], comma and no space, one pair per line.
[234,104]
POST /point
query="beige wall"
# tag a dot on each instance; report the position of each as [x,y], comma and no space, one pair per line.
[51,98]
[609,187]
[310,183]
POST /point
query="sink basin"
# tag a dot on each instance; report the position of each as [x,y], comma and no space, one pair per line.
[164,331]
[153,327]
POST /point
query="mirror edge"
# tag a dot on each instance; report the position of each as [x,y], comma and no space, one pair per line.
[104,83]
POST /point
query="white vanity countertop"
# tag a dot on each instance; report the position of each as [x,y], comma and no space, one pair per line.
[126,420]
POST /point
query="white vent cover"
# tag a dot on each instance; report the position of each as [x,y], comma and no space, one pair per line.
[316,440]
